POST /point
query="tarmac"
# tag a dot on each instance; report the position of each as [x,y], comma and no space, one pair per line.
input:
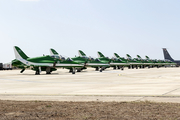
[154,84]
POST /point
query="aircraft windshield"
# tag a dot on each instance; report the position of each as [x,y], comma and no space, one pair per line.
[55,56]
[114,58]
[97,59]
[69,59]
[91,59]
[85,57]
[119,59]
[63,58]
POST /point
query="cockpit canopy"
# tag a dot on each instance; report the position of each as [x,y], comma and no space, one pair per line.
[129,58]
[97,60]
[116,59]
[85,57]
[93,59]
[61,57]
[55,56]
[69,59]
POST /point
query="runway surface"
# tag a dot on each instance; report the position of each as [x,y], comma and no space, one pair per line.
[160,85]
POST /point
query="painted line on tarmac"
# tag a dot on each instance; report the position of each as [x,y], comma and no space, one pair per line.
[171,91]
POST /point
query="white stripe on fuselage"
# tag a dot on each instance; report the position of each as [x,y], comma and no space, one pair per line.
[119,63]
[48,64]
[96,64]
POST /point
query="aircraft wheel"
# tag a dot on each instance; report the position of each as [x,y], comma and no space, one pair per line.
[70,70]
[78,70]
[122,68]
[114,67]
[97,68]
[100,71]
[48,72]
[73,72]
[37,73]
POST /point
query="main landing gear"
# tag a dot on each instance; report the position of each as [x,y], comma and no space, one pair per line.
[97,69]
[48,70]
[73,70]
[102,68]
[37,72]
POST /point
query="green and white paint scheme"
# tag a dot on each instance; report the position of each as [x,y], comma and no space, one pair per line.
[135,63]
[161,63]
[146,62]
[43,63]
[94,62]
[85,61]
[114,62]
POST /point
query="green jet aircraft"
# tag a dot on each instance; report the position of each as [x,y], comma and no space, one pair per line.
[131,62]
[114,62]
[156,63]
[146,62]
[135,63]
[161,63]
[44,63]
[85,61]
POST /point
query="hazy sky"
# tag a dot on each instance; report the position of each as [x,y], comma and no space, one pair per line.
[141,27]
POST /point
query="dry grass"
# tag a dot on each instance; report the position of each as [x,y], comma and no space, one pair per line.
[39,110]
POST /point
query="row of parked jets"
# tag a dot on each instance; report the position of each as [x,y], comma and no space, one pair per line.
[51,62]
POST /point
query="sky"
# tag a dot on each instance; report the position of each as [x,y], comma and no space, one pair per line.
[132,27]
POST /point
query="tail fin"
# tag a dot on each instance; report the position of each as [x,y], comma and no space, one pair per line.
[167,55]
[53,52]
[128,56]
[116,55]
[81,53]
[19,54]
[147,57]
[139,56]
[100,54]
